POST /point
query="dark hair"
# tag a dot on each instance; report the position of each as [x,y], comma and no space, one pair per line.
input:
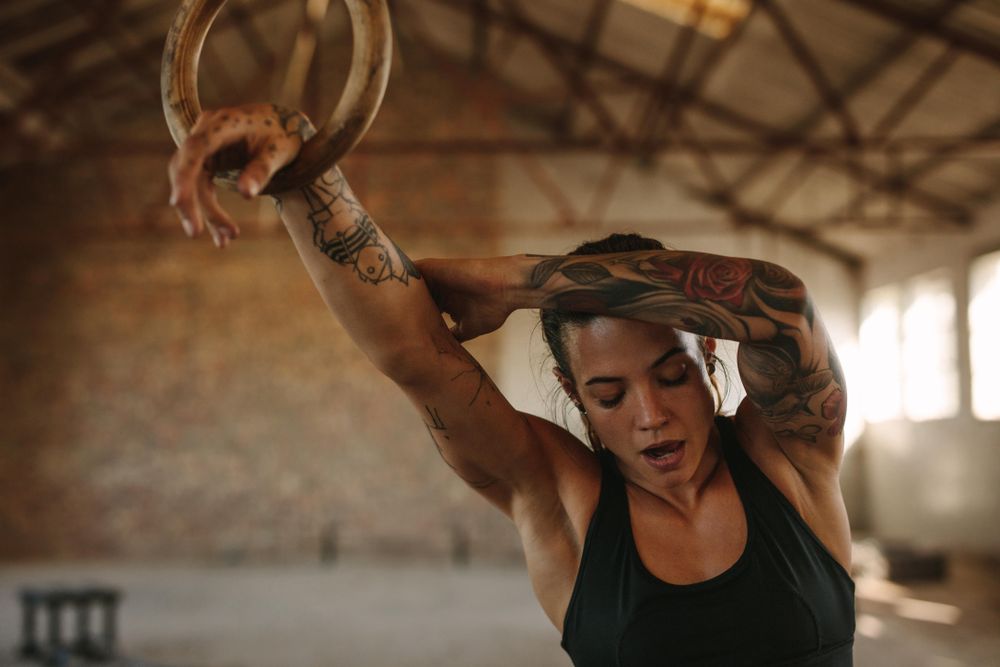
[555,322]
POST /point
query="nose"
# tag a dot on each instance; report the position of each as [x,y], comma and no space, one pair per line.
[653,412]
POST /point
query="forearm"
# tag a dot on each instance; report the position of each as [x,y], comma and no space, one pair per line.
[723,297]
[367,282]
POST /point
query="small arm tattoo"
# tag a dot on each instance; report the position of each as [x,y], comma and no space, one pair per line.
[438,431]
[446,345]
[374,258]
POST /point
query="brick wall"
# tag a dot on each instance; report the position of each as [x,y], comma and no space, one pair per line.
[163,400]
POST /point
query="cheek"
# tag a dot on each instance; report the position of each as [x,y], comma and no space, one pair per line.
[611,428]
[694,400]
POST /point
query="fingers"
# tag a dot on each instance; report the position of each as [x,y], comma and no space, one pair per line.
[251,138]
[220,225]
[278,152]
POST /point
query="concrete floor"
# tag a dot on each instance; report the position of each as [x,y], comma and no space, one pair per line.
[423,615]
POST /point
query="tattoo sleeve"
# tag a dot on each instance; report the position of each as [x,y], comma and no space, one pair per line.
[786,360]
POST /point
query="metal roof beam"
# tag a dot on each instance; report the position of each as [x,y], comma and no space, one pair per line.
[927,24]
[664,95]
[898,183]
[588,45]
[699,79]
[576,83]
[810,65]
[892,52]
[911,97]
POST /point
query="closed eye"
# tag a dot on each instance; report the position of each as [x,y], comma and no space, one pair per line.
[677,379]
[610,402]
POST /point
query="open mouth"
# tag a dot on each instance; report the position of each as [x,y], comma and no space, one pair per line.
[665,454]
[663,451]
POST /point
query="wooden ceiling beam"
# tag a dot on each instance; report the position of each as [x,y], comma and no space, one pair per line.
[43,15]
[596,19]
[716,194]
[930,146]
[849,166]
[917,91]
[926,24]
[105,25]
[855,85]
[803,54]
[721,113]
[797,176]
[146,50]
[901,184]
[243,18]
[577,85]
[153,16]
[664,95]
[708,66]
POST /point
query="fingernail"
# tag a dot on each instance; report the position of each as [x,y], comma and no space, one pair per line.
[188,227]
[253,187]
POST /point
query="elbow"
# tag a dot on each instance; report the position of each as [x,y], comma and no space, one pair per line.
[783,286]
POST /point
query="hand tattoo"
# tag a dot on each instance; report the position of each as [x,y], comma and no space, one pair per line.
[293,122]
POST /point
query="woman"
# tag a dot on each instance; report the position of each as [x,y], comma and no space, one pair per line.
[680,537]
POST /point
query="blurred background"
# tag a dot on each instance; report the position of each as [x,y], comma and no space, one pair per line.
[191,427]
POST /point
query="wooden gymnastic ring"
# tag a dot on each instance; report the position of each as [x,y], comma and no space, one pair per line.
[366,83]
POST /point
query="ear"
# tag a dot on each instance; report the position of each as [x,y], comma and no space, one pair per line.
[567,385]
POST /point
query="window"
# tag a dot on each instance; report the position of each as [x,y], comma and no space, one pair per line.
[880,370]
[929,351]
[984,335]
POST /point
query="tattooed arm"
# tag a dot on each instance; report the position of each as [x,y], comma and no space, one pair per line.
[786,359]
[375,292]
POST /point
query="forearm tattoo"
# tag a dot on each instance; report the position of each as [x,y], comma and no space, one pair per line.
[438,431]
[786,360]
[374,258]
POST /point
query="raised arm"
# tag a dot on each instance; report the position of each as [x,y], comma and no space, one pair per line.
[786,360]
[372,288]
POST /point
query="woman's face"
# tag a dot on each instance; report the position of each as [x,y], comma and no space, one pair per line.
[647,395]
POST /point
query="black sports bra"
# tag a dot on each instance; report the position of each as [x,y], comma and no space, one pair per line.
[786,601]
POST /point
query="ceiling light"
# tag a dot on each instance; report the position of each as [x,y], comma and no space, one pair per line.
[714,18]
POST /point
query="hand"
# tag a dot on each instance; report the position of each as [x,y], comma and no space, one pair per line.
[255,140]
[473,292]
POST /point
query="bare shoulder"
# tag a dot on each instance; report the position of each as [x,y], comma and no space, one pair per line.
[814,491]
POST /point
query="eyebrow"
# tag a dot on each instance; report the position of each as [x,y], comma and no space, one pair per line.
[666,355]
